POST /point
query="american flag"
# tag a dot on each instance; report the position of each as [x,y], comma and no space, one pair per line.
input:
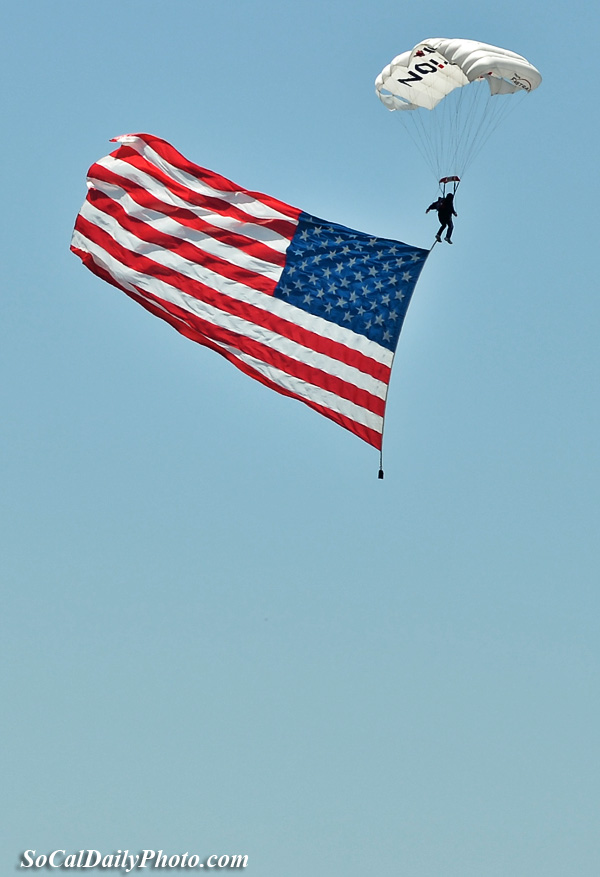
[310,308]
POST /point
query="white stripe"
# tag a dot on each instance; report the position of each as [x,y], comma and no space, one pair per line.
[237,290]
[138,282]
[203,242]
[310,392]
[170,258]
[160,191]
[241,199]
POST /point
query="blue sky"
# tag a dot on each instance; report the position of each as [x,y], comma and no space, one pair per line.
[221,632]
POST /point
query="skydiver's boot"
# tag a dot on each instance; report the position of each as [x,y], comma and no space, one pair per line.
[438,239]
[448,239]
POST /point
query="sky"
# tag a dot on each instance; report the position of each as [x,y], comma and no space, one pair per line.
[221,632]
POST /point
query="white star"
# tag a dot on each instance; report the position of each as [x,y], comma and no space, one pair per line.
[406,276]
[308,298]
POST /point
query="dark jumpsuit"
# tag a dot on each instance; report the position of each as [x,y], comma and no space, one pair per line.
[445,211]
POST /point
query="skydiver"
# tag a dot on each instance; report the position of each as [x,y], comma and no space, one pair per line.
[445,211]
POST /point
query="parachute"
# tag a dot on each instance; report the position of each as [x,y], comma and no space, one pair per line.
[452,94]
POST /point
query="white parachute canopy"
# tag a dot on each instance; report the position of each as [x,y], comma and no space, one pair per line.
[455,92]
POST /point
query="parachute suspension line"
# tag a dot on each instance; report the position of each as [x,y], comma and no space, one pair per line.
[467,112]
[461,106]
[479,112]
[455,104]
[466,120]
[446,135]
[453,124]
[476,125]
[450,136]
[497,113]
[414,124]
[484,117]
[459,125]
[429,147]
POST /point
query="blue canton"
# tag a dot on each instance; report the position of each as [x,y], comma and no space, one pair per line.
[360,282]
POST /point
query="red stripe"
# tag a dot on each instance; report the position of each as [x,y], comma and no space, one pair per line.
[217,205]
[263,352]
[187,217]
[245,310]
[182,325]
[285,363]
[215,181]
[180,247]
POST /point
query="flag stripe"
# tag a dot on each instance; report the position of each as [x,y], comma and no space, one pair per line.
[161,154]
[187,224]
[235,299]
[366,427]
[144,190]
[219,202]
[258,275]
[272,349]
